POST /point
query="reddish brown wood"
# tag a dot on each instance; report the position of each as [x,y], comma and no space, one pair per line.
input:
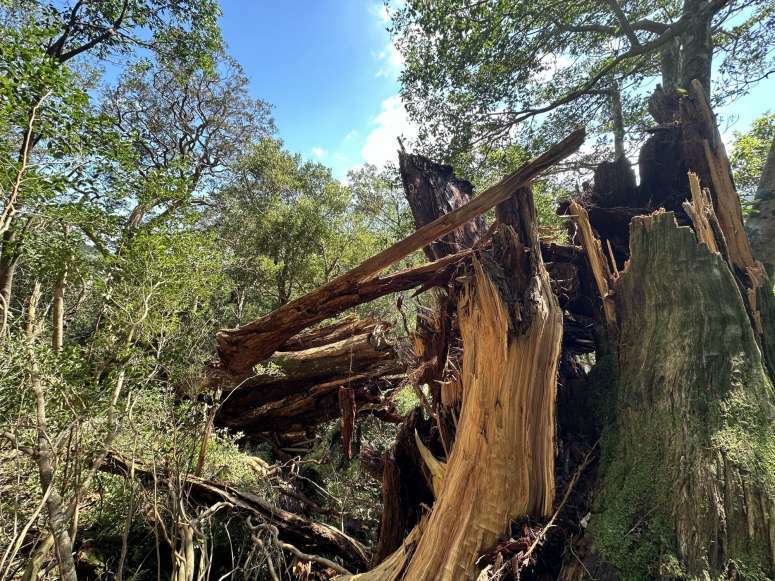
[347,410]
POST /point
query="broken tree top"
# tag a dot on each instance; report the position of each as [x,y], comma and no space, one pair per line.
[240,349]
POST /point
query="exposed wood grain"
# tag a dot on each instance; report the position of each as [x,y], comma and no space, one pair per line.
[595,258]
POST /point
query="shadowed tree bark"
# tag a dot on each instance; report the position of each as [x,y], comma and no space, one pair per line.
[761,222]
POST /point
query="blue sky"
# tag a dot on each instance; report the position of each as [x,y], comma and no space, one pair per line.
[330,71]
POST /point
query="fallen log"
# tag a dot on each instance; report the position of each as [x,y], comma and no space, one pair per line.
[307,535]
[299,389]
[239,349]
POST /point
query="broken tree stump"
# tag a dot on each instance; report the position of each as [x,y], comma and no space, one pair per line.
[300,388]
[502,464]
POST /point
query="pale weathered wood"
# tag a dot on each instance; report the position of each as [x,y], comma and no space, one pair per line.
[724,194]
[700,210]
[595,258]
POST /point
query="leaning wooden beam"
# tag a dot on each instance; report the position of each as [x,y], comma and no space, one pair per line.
[239,349]
[706,155]
[307,535]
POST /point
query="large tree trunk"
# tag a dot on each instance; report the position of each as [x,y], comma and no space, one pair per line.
[761,222]
[688,57]
[687,479]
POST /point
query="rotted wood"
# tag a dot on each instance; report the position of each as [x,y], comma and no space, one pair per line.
[306,535]
[433,190]
[240,349]
[347,411]
[406,486]
[299,389]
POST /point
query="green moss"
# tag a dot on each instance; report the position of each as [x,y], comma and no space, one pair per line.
[629,526]
[745,436]
[406,400]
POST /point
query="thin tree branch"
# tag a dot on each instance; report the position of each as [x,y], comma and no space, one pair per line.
[621,17]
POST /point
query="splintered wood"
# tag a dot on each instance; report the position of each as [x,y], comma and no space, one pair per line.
[700,210]
[716,164]
[502,464]
[596,259]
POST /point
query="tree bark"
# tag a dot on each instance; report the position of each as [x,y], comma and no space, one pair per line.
[432,191]
[58,311]
[686,484]
[9,258]
[761,223]
[689,56]
[58,521]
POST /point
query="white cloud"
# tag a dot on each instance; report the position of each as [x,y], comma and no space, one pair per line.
[391,61]
[381,12]
[319,152]
[391,122]
[553,64]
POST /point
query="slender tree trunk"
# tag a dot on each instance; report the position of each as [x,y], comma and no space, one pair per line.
[761,222]
[9,257]
[617,118]
[57,516]
[58,311]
